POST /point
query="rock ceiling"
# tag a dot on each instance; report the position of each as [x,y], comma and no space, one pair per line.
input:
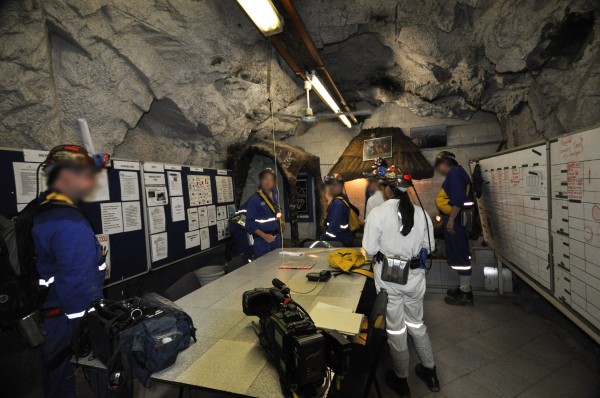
[178,80]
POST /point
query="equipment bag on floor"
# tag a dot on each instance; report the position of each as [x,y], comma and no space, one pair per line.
[137,337]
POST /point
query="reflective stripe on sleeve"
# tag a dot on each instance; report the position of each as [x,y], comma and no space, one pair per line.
[46,283]
[76,315]
[403,330]
[102,267]
[344,226]
[330,234]
[461,267]
[266,220]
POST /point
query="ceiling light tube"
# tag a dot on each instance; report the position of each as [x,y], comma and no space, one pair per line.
[264,15]
[325,96]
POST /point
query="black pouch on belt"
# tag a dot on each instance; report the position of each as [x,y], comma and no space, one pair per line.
[467,218]
[394,270]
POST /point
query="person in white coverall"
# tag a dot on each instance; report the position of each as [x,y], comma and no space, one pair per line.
[397,229]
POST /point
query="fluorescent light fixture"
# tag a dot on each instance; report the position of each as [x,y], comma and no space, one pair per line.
[324,94]
[264,15]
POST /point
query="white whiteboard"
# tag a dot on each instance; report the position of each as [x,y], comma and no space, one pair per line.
[514,209]
[575,222]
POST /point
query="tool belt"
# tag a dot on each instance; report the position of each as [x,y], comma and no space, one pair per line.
[395,269]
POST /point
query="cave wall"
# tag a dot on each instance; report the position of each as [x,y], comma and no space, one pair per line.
[178,80]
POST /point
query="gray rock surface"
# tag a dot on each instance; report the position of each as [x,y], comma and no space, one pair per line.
[178,80]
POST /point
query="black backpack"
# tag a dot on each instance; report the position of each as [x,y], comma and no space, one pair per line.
[20,289]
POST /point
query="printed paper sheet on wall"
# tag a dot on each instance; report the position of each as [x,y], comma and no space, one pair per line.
[224,189]
[200,190]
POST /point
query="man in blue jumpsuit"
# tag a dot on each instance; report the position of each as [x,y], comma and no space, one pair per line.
[338,213]
[263,215]
[455,195]
[69,260]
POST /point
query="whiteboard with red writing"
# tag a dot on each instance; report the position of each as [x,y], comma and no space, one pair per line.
[575,221]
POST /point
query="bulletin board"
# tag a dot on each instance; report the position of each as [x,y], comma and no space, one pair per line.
[187,209]
[548,229]
[116,212]
[575,222]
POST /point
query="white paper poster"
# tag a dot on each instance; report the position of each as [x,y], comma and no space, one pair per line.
[125,165]
[203,217]
[204,239]
[199,190]
[212,215]
[156,196]
[154,178]
[132,216]
[177,209]
[192,214]
[222,229]
[129,185]
[26,181]
[221,212]
[192,239]
[159,246]
[154,167]
[32,155]
[156,219]
[104,241]
[112,218]
[102,192]
[224,189]
[230,210]
[175,186]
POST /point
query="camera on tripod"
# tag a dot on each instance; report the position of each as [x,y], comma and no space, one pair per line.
[301,352]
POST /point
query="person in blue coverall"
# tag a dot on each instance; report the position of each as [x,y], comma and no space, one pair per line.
[338,213]
[263,215]
[455,195]
[69,260]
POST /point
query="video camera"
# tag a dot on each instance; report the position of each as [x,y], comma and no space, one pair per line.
[301,352]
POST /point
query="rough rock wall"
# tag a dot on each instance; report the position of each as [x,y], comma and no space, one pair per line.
[177,80]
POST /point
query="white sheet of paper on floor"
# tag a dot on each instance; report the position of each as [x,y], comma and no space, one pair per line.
[154,179]
[192,214]
[175,185]
[204,239]
[192,239]
[212,215]
[112,218]
[159,246]
[129,185]
[224,187]
[26,181]
[177,209]
[203,217]
[156,219]
[102,192]
[132,216]
[199,190]
[104,241]
[157,196]
[221,212]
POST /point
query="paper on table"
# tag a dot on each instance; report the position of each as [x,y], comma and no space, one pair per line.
[132,216]
[104,241]
[212,215]
[204,239]
[129,185]
[102,192]
[177,209]
[112,218]
[26,181]
[192,239]
[175,186]
[159,246]
[192,213]
[156,196]
[156,219]
[203,217]
[336,318]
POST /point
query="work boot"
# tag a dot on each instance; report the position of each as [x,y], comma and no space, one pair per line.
[398,384]
[429,377]
[454,292]
[464,298]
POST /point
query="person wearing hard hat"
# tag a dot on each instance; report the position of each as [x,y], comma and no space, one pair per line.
[398,236]
[70,261]
[374,195]
[455,195]
[338,212]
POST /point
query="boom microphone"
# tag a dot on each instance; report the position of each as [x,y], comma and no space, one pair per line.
[281,286]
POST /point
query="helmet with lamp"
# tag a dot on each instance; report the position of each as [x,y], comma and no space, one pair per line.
[335,178]
[74,156]
[396,177]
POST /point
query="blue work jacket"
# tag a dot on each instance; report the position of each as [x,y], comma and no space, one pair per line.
[69,260]
[338,228]
[259,215]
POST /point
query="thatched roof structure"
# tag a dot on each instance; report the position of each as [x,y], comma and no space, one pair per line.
[290,160]
[404,153]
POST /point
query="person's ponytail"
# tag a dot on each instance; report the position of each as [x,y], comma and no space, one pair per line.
[406,210]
